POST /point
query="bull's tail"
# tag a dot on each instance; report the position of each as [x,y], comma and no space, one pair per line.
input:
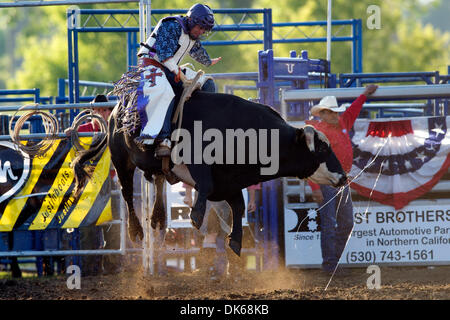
[78,164]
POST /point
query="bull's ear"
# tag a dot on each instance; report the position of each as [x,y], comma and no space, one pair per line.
[306,134]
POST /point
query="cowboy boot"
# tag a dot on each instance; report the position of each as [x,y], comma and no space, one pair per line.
[163,152]
[163,149]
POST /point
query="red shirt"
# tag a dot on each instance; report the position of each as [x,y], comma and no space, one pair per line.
[88,127]
[338,135]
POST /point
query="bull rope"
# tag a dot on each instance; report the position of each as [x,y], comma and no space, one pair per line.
[348,184]
[51,127]
[342,189]
[189,87]
[81,118]
[338,193]
[365,214]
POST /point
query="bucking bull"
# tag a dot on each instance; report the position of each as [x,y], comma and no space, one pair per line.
[227,144]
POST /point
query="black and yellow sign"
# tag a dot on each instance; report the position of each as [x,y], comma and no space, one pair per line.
[36,194]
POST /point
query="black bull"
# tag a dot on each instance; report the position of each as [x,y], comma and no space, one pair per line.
[301,153]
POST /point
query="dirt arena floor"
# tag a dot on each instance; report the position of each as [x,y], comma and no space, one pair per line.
[397,283]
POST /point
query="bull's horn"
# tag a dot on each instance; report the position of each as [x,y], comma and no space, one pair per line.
[309,137]
[323,137]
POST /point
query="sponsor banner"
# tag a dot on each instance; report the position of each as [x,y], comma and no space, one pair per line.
[418,234]
[36,193]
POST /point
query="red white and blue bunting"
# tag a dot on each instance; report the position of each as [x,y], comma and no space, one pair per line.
[401,159]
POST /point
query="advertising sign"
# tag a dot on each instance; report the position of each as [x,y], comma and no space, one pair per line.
[414,235]
[36,193]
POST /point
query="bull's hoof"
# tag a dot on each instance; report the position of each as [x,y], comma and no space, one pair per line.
[197,217]
[161,221]
[162,151]
[171,178]
[135,230]
[158,216]
[198,213]
[235,246]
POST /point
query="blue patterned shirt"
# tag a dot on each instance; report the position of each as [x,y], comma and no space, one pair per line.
[166,44]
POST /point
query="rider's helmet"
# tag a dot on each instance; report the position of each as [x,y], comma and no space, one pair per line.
[202,15]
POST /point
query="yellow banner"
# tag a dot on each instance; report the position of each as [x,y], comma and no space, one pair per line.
[38,191]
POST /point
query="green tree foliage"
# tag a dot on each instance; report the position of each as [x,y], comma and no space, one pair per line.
[44,52]
[402,43]
[33,41]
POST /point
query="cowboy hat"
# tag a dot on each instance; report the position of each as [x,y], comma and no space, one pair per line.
[100,98]
[328,102]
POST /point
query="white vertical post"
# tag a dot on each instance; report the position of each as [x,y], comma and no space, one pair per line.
[329,31]
[283,105]
[145,263]
[147,192]
[141,22]
[39,3]
[148,16]
[123,225]
[151,239]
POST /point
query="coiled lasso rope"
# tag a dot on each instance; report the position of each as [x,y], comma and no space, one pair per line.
[51,127]
[83,117]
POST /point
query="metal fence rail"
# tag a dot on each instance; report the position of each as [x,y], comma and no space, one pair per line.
[412,92]
[352,79]
[41,3]
[58,106]
[122,219]
[262,25]
[22,95]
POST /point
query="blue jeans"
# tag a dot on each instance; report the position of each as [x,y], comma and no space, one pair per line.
[336,223]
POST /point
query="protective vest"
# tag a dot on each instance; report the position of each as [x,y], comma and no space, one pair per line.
[185,44]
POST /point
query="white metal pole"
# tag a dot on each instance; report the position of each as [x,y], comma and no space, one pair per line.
[147,192]
[34,253]
[148,16]
[123,224]
[141,22]
[151,244]
[383,92]
[283,106]
[57,3]
[329,31]
[145,224]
